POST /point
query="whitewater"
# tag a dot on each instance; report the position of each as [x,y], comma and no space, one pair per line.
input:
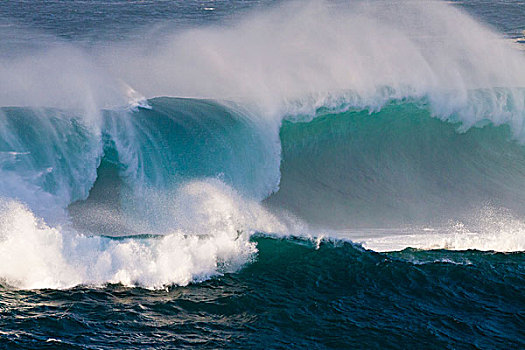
[154,160]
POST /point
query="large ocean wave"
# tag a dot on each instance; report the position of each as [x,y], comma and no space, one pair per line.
[291,129]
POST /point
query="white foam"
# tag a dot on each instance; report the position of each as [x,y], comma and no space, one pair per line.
[135,99]
[212,238]
[488,230]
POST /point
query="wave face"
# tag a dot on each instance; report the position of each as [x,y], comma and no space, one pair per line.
[176,140]
[396,167]
[342,170]
[151,152]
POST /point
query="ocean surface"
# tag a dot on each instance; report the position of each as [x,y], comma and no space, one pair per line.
[262,174]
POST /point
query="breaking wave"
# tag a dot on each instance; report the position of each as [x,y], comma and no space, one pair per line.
[279,127]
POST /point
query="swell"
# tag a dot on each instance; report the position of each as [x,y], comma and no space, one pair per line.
[52,157]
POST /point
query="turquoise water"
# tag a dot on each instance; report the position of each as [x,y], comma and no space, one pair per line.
[260,174]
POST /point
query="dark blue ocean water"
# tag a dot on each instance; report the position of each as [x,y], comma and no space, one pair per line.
[338,223]
[293,296]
